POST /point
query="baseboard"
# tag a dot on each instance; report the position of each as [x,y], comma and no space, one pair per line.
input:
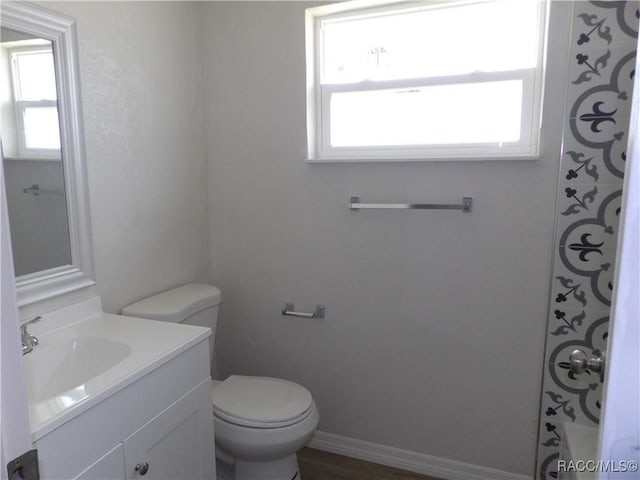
[412,461]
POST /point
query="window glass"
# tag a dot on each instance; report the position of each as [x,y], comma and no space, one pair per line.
[451,40]
[41,128]
[34,75]
[443,114]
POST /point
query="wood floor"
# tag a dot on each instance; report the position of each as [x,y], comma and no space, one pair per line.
[319,465]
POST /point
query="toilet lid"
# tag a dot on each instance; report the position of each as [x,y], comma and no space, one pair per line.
[260,401]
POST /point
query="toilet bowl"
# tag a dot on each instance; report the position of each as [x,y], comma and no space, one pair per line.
[259,422]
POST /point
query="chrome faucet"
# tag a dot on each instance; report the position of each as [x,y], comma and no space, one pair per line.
[28,341]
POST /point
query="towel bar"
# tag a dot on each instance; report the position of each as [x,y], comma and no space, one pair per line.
[36,190]
[466,205]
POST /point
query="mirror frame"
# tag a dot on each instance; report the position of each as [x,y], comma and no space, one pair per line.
[61,31]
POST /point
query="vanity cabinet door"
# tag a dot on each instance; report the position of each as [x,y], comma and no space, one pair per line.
[177,444]
[109,467]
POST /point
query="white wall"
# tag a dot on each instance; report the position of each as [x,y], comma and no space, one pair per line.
[433,340]
[141,78]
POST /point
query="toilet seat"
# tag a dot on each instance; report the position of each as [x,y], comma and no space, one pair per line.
[261,402]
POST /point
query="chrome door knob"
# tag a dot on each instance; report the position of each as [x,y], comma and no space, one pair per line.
[579,362]
[142,468]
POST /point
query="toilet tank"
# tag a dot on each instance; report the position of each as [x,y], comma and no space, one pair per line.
[192,304]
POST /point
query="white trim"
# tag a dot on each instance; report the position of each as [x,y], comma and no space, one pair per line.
[619,433]
[407,460]
[38,286]
[61,31]
[15,434]
[312,53]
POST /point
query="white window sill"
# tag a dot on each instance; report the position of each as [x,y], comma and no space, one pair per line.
[420,159]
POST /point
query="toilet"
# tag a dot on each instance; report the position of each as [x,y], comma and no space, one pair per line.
[259,422]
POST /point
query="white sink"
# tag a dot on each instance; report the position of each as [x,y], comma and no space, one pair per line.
[64,367]
[77,365]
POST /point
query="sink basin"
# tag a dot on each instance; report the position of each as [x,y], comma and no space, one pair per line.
[86,356]
[63,368]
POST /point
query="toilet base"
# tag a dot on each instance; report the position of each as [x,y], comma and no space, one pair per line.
[282,469]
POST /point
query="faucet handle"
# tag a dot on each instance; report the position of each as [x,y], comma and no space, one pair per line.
[28,340]
[23,327]
[33,320]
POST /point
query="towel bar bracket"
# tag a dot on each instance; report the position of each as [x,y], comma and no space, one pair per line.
[467,204]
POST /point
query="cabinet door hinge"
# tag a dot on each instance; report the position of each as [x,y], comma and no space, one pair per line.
[24,467]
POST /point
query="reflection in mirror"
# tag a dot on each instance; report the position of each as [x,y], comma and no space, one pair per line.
[32,153]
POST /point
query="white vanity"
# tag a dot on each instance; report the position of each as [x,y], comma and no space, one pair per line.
[114,397]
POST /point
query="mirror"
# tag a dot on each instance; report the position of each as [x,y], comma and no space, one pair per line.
[43,153]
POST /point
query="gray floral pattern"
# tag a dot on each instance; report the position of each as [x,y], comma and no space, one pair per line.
[603,52]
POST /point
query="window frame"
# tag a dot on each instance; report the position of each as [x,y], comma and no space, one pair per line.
[319,95]
[21,106]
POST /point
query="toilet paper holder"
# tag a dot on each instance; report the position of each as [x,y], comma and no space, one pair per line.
[289,310]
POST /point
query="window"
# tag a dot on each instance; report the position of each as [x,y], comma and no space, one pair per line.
[34,90]
[425,80]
